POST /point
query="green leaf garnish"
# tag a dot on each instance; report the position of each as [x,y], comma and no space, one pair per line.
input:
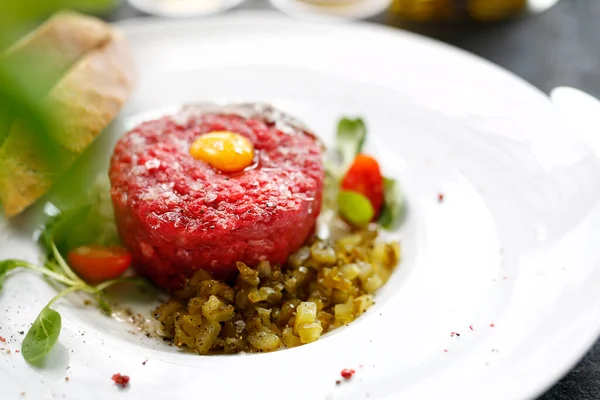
[394,205]
[5,267]
[53,266]
[355,208]
[103,304]
[87,219]
[58,228]
[135,280]
[351,135]
[42,335]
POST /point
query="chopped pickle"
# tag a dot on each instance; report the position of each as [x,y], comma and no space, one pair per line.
[216,310]
[264,269]
[165,314]
[200,276]
[306,313]
[310,332]
[264,341]
[216,288]
[350,271]
[235,345]
[326,319]
[247,274]
[362,303]
[366,270]
[323,285]
[195,305]
[323,253]
[339,296]
[289,339]
[372,283]
[288,310]
[344,312]
[206,335]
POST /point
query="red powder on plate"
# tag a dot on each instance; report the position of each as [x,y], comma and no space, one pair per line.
[122,380]
[347,373]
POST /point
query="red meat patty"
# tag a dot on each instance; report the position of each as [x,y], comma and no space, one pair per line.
[177,214]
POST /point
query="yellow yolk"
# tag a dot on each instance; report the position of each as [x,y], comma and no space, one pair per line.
[225,151]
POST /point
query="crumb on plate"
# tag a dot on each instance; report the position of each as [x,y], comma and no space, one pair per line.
[122,380]
[347,373]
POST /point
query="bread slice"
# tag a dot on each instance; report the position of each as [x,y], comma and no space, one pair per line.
[83,103]
[51,49]
[47,53]
[92,94]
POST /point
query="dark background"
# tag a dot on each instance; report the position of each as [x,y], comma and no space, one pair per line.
[559,47]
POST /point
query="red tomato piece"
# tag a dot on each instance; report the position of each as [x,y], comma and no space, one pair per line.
[364,177]
[97,263]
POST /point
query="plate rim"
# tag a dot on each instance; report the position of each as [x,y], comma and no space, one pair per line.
[542,384]
[536,385]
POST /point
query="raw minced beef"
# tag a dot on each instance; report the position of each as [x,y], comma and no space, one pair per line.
[176,214]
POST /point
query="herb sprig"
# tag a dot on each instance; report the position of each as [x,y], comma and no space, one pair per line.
[44,333]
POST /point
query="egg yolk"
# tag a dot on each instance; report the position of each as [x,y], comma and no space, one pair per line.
[225,151]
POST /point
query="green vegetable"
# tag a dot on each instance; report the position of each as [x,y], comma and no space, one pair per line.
[355,208]
[88,219]
[58,228]
[350,139]
[42,335]
[103,304]
[5,267]
[394,206]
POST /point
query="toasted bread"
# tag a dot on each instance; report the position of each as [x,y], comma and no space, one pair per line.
[84,102]
[92,93]
[51,49]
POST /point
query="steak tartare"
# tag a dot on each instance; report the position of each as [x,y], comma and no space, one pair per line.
[177,214]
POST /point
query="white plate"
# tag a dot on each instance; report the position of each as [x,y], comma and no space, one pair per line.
[514,243]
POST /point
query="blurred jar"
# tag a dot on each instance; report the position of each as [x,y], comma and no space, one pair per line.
[457,10]
[96,6]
